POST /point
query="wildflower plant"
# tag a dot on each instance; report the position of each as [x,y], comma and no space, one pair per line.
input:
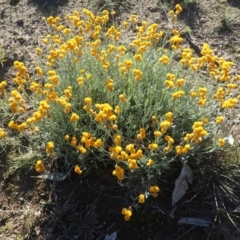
[129,106]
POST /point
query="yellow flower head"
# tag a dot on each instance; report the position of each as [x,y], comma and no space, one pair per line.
[2,133]
[141,198]
[138,74]
[39,167]
[150,162]
[164,60]
[122,98]
[77,169]
[142,134]
[221,142]
[178,8]
[127,212]
[153,146]
[88,100]
[119,173]
[74,117]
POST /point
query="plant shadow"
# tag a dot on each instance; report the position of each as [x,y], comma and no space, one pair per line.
[190,15]
[49,6]
[234,3]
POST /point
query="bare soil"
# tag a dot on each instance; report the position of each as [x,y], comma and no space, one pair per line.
[89,208]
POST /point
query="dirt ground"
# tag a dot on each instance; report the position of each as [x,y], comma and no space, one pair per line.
[38,209]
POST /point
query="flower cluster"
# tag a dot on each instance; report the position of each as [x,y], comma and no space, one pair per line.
[39,167]
[127,213]
[77,169]
[49,149]
[173,14]
[3,84]
[2,133]
[154,190]
[118,172]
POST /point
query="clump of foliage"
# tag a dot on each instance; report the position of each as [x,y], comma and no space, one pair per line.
[96,100]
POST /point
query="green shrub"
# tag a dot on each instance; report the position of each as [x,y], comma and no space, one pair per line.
[99,101]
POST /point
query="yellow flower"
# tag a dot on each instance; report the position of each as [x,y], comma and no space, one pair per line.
[125,24]
[38,51]
[74,117]
[121,49]
[150,162]
[219,119]
[141,198]
[180,82]
[2,133]
[122,98]
[186,148]
[98,143]
[21,127]
[66,137]
[169,83]
[164,60]
[138,57]
[111,48]
[68,93]
[178,8]
[179,150]
[128,64]
[49,147]
[169,139]
[117,110]
[119,173]
[165,124]
[157,133]
[171,13]
[132,163]
[66,31]
[178,94]
[152,146]
[77,169]
[142,134]
[39,167]
[109,84]
[133,18]
[154,190]
[130,148]
[127,212]
[193,94]
[197,124]
[44,40]
[138,74]
[73,141]
[50,20]
[221,142]
[117,139]
[169,116]
[205,120]
[188,137]
[81,149]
